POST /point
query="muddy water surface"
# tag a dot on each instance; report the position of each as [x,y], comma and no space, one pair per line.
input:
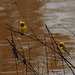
[38,13]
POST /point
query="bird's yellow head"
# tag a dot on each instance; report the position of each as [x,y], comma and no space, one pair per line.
[61,44]
[22,23]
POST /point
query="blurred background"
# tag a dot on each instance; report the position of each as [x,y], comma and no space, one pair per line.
[37,13]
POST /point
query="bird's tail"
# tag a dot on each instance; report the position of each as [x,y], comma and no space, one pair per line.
[67,51]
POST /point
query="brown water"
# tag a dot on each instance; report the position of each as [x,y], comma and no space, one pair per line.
[38,13]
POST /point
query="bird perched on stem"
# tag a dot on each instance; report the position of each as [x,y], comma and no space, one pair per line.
[23,27]
[62,48]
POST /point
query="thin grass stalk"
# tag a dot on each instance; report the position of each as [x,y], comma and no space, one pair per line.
[67,30]
[24,18]
[58,48]
[46,54]
[16,66]
[38,66]
[10,67]
[20,45]
[15,56]
[52,41]
[69,67]
[28,64]
[45,45]
[63,66]
[55,59]
[26,69]
[29,52]
[52,38]
[14,44]
[52,69]
[42,70]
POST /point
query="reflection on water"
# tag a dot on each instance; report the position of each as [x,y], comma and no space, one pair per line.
[38,13]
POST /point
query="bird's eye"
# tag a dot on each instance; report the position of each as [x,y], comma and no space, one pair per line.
[61,45]
[22,25]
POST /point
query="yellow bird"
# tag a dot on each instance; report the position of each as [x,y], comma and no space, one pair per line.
[62,48]
[22,27]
